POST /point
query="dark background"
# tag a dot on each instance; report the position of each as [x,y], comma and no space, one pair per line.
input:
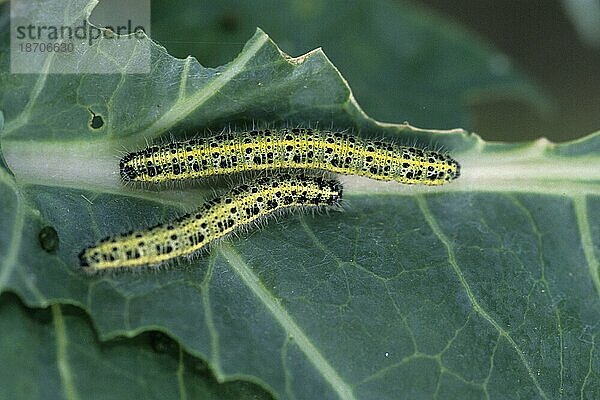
[370,42]
[540,37]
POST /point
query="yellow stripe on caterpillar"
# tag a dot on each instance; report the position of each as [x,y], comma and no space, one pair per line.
[303,149]
[215,219]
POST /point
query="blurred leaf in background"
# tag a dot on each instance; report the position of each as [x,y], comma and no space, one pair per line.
[403,63]
[546,39]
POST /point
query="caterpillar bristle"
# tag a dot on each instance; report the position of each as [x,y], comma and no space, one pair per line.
[189,233]
[306,149]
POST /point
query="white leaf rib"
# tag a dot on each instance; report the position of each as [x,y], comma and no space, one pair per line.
[286,321]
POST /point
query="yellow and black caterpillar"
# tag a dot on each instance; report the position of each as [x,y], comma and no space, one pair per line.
[303,149]
[215,219]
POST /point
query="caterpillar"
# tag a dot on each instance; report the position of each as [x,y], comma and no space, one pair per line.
[216,218]
[303,149]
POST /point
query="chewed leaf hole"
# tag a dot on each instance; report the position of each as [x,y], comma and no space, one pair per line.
[48,238]
[97,121]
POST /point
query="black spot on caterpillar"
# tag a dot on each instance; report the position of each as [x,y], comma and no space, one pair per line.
[216,218]
[304,149]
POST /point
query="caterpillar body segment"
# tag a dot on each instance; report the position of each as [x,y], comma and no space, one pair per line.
[218,217]
[300,149]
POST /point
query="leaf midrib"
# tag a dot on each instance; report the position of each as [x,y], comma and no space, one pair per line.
[94,166]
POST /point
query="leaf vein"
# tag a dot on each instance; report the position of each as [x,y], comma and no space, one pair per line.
[540,244]
[210,324]
[11,258]
[285,320]
[586,240]
[62,360]
[180,376]
[186,105]
[431,221]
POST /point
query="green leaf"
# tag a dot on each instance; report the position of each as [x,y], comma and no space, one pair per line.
[54,353]
[402,63]
[485,287]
